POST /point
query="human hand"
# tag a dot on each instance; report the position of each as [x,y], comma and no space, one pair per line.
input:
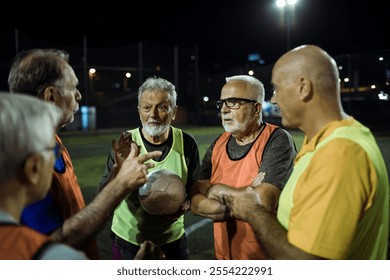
[258,179]
[242,202]
[182,209]
[122,147]
[149,251]
[133,172]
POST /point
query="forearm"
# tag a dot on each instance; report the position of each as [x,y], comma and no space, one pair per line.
[80,228]
[202,205]
[132,174]
[269,196]
[216,192]
[209,208]
[113,172]
[272,236]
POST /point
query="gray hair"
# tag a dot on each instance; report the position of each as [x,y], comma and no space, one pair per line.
[34,70]
[252,81]
[154,83]
[27,125]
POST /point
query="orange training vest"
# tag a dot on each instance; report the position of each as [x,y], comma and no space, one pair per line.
[66,192]
[235,239]
[19,242]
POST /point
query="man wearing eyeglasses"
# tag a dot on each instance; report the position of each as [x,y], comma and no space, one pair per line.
[238,159]
[335,204]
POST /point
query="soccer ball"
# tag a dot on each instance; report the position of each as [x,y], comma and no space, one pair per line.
[163,193]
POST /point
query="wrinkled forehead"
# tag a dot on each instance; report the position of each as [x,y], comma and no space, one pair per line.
[155,96]
[238,88]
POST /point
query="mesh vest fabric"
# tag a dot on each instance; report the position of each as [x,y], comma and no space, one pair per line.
[131,222]
[235,239]
[338,218]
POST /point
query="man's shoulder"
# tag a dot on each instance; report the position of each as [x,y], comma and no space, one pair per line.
[187,136]
[279,131]
[281,138]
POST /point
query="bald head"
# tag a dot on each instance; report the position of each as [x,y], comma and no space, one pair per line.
[316,65]
[307,89]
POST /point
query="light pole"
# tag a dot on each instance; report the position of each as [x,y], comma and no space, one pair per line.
[91,74]
[287,8]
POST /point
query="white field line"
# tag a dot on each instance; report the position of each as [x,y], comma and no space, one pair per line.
[197,225]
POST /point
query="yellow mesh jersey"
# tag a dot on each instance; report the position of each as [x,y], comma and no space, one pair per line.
[336,202]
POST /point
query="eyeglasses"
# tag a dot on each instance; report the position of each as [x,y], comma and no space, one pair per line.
[233,102]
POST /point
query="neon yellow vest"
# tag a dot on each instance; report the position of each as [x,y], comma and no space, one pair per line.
[131,222]
[362,136]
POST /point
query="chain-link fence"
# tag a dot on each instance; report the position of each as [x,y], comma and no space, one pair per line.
[110,77]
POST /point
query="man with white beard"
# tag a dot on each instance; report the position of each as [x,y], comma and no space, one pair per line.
[238,159]
[131,224]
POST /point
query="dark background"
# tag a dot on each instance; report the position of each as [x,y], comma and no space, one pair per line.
[212,40]
[225,30]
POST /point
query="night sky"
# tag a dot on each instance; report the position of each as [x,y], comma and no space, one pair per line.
[224,30]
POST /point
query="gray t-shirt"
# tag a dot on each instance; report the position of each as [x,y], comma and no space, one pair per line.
[277,160]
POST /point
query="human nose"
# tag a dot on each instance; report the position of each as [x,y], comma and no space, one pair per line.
[78,96]
[154,111]
[273,98]
[224,109]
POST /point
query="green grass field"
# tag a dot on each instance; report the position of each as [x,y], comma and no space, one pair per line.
[89,152]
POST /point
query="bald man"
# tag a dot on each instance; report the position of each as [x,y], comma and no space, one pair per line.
[335,204]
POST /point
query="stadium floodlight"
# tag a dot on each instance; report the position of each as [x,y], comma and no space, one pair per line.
[288,7]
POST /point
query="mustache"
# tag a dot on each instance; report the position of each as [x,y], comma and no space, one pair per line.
[153,121]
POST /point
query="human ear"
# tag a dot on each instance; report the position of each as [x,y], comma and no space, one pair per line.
[49,94]
[33,168]
[305,89]
[258,108]
[174,113]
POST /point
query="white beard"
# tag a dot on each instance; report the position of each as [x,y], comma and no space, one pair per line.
[155,130]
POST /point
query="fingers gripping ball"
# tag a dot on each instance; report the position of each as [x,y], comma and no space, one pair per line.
[163,193]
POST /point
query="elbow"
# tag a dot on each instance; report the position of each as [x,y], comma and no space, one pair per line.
[194,206]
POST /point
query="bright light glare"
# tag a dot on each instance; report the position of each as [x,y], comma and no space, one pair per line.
[92,73]
[291,2]
[383,96]
[283,3]
[250,72]
[206,98]
[280,3]
[128,75]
